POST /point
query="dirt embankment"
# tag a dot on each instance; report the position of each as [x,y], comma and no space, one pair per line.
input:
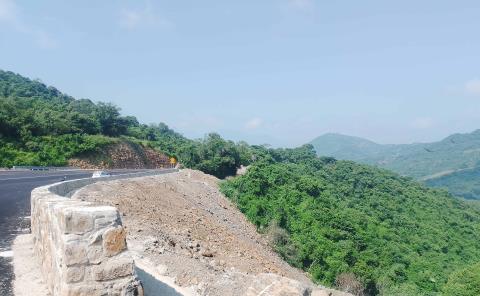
[185,227]
[122,155]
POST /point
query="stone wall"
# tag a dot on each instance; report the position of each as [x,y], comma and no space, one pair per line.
[82,247]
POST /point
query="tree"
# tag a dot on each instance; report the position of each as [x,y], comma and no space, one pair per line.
[217,156]
[108,116]
[464,282]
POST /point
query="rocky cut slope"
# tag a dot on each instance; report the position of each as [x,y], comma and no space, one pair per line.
[188,231]
[122,155]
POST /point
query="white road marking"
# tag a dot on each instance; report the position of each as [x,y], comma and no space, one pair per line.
[14,172]
[6,254]
[38,177]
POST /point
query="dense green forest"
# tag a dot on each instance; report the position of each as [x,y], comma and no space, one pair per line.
[39,125]
[464,282]
[335,218]
[421,161]
[340,221]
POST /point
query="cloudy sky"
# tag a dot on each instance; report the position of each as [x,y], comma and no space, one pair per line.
[271,71]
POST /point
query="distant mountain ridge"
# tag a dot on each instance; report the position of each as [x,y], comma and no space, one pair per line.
[346,147]
[464,182]
[418,160]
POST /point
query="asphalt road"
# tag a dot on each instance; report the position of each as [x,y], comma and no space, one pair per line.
[15,188]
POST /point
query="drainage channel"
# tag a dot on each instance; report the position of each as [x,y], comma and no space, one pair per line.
[153,286]
[155,283]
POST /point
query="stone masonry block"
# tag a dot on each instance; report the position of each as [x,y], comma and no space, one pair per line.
[74,274]
[81,245]
[114,241]
[75,253]
[77,222]
[95,254]
[114,268]
[107,216]
[82,290]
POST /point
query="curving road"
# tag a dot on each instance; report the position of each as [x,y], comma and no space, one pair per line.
[15,188]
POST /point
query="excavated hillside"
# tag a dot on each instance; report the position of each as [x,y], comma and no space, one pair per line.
[122,155]
[187,230]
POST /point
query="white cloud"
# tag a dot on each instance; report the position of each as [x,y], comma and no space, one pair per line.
[422,123]
[8,11]
[253,123]
[473,87]
[131,19]
[301,5]
[9,14]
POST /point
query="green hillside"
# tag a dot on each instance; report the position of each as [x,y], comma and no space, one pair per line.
[465,183]
[386,234]
[420,160]
[348,147]
[334,218]
[39,125]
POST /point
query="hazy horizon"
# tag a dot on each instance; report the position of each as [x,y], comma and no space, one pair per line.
[281,72]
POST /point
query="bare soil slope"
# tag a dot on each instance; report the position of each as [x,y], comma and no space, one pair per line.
[183,225]
[122,155]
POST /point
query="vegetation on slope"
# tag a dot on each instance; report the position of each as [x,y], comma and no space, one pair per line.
[420,160]
[464,282]
[338,220]
[464,183]
[348,148]
[333,218]
[39,125]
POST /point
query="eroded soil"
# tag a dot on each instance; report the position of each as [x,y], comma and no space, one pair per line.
[183,225]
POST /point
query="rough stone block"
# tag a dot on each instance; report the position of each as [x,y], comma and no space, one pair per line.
[95,254]
[129,288]
[108,216]
[77,222]
[113,269]
[75,253]
[82,290]
[74,274]
[114,241]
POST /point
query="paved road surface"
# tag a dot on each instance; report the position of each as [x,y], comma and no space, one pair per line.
[15,188]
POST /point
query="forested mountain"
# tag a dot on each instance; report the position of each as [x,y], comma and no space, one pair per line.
[464,182]
[339,219]
[39,125]
[346,224]
[347,147]
[420,160]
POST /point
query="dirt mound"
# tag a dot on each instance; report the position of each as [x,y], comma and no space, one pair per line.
[122,155]
[184,226]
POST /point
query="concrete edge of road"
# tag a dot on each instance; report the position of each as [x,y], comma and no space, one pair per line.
[59,223]
[68,188]
[28,274]
[40,168]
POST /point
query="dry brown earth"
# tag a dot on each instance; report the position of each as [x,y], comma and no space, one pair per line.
[122,155]
[185,227]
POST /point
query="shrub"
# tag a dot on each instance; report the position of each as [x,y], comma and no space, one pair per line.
[349,283]
[464,282]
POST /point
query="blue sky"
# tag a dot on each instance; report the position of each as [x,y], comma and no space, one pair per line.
[274,71]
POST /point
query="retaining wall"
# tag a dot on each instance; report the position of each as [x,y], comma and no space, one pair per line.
[82,247]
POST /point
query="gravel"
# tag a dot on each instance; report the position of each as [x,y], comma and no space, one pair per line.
[182,224]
